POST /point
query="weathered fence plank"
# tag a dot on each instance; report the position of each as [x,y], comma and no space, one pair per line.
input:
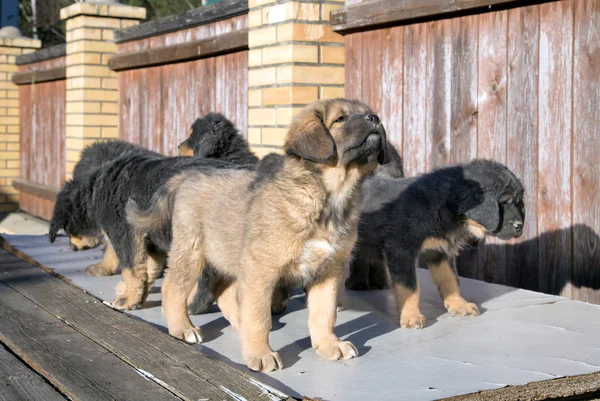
[491,121]
[555,131]
[521,141]
[586,150]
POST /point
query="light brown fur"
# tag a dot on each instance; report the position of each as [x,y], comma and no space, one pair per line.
[298,225]
[108,266]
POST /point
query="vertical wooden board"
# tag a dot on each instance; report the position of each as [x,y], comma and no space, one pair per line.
[220,84]
[242,93]
[463,119]
[554,158]
[181,125]
[491,122]
[123,106]
[61,132]
[354,67]
[155,110]
[439,92]
[137,91]
[371,69]
[33,150]
[392,80]
[190,105]
[230,89]
[415,99]
[586,149]
[169,103]
[521,138]
[25,129]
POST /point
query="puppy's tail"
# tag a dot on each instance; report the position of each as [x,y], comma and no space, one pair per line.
[155,222]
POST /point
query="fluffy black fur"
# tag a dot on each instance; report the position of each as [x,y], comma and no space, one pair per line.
[399,214]
[214,136]
[100,152]
[96,202]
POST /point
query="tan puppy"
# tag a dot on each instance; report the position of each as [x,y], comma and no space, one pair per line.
[293,220]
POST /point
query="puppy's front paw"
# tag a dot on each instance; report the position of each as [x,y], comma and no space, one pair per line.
[336,350]
[414,320]
[460,307]
[263,362]
[191,335]
[98,270]
[123,302]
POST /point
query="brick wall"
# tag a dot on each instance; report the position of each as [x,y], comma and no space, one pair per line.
[294,59]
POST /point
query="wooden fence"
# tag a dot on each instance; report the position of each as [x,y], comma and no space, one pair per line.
[168,79]
[42,99]
[521,85]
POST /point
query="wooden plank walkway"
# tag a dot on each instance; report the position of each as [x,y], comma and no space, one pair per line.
[89,351]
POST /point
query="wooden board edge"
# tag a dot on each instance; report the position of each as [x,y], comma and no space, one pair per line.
[33,77]
[210,47]
[41,191]
[580,387]
[385,13]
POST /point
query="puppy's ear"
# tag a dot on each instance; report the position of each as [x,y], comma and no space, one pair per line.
[54,227]
[309,139]
[471,201]
[62,210]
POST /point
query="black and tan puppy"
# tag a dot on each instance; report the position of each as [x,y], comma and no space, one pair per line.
[94,204]
[295,222]
[425,221]
[92,157]
[215,137]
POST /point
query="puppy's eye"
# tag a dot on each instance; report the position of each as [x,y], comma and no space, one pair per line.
[341,119]
[509,200]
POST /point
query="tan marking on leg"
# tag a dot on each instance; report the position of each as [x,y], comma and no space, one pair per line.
[407,301]
[476,229]
[155,266]
[256,293]
[435,243]
[322,313]
[108,266]
[135,278]
[447,283]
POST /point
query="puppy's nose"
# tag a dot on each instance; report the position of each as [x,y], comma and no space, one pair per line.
[518,226]
[373,118]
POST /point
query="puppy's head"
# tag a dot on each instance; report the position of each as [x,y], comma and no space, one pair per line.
[69,217]
[339,132]
[493,202]
[209,136]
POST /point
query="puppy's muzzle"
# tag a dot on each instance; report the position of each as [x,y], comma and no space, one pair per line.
[512,223]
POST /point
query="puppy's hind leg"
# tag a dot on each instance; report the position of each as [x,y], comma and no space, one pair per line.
[186,262]
[134,292]
[403,272]
[108,266]
[322,313]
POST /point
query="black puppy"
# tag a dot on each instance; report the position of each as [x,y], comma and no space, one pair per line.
[425,221]
[94,206]
[215,137]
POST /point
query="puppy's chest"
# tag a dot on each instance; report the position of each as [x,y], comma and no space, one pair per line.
[332,241]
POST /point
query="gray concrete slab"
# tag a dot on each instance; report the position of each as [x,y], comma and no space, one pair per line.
[20,223]
[521,337]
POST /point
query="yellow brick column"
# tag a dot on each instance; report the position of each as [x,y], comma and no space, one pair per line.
[92,92]
[294,59]
[10,48]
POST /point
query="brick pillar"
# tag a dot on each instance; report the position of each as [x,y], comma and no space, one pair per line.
[10,48]
[294,59]
[92,92]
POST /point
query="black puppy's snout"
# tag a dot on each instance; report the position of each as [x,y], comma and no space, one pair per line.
[518,225]
[373,118]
